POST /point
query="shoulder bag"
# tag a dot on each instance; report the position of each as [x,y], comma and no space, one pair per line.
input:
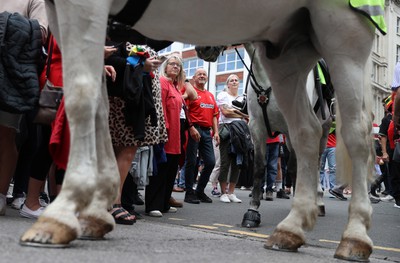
[50,97]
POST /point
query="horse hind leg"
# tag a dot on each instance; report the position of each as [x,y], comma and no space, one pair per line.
[288,77]
[347,58]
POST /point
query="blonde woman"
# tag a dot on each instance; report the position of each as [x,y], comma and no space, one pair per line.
[228,161]
[173,85]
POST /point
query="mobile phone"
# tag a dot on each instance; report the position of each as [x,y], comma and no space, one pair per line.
[118,45]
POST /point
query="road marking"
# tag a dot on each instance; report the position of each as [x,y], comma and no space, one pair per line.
[222,225]
[205,227]
[245,233]
[375,247]
[176,219]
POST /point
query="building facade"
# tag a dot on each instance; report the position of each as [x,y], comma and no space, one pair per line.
[384,56]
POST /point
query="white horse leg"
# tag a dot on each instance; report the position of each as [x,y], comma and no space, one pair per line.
[288,77]
[346,53]
[95,222]
[80,32]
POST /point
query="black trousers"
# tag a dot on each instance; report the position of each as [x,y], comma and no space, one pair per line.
[159,189]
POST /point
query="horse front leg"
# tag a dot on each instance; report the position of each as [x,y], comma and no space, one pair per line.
[252,217]
[95,221]
[81,26]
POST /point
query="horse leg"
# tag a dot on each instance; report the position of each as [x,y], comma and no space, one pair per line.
[288,76]
[346,53]
[80,27]
[252,217]
[95,222]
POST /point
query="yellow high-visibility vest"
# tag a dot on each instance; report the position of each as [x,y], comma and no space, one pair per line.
[373,10]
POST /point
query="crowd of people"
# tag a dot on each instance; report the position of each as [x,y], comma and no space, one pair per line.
[187,132]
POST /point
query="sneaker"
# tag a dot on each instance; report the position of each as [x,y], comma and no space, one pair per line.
[224,198]
[191,197]
[338,195]
[234,199]
[203,197]
[19,200]
[155,213]
[397,203]
[44,199]
[282,194]
[269,196]
[172,210]
[387,198]
[28,213]
[3,204]
[215,192]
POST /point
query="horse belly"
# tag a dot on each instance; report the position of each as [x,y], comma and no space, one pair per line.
[209,22]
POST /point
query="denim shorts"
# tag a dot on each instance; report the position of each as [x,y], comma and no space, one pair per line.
[11,120]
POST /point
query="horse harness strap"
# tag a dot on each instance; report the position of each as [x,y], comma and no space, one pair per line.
[263,95]
[263,100]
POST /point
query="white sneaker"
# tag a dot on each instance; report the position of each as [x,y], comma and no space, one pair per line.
[155,213]
[3,204]
[18,202]
[234,199]
[387,198]
[28,213]
[172,210]
[224,198]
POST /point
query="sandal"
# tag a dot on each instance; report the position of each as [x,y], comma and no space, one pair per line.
[121,216]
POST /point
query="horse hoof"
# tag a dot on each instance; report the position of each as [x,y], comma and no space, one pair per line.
[48,232]
[251,218]
[284,241]
[321,210]
[353,250]
[94,228]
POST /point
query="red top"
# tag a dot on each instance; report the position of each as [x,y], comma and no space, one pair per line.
[273,140]
[55,75]
[331,143]
[172,105]
[203,109]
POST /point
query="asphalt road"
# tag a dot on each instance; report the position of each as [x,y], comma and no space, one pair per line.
[207,233]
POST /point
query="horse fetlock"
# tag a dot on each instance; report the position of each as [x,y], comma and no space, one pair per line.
[48,232]
[353,249]
[95,227]
[285,241]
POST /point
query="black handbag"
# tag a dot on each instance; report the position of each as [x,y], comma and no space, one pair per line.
[224,131]
[50,97]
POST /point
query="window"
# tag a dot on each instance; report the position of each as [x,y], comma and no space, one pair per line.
[165,50]
[190,66]
[187,46]
[376,44]
[397,53]
[229,60]
[398,26]
[375,72]
[222,85]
